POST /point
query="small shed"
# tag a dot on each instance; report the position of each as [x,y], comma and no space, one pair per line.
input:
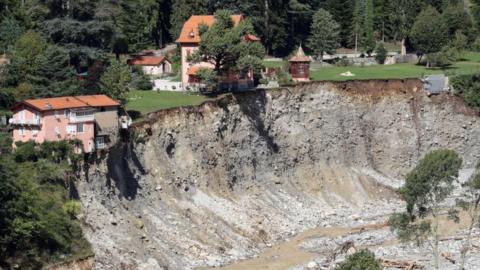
[299,66]
[436,84]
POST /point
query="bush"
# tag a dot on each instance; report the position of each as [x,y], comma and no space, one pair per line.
[72,208]
[381,54]
[141,81]
[284,78]
[343,62]
[476,45]
[360,260]
[468,86]
[443,58]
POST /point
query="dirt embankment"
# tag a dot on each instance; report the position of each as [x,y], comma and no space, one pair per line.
[210,185]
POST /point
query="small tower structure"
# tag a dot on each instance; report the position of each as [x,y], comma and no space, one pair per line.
[299,66]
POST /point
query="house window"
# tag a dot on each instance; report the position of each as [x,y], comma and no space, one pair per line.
[100,142]
[21,131]
[80,128]
[67,113]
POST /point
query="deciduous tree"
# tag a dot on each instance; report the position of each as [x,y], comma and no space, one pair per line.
[429,33]
[425,188]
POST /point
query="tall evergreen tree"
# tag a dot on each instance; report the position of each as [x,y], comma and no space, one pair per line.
[325,34]
[342,11]
[369,39]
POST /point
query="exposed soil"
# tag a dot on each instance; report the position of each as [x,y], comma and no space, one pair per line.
[238,176]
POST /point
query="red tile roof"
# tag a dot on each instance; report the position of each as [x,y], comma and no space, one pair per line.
[147,60]
[98,101]
[58,103]
[190,33]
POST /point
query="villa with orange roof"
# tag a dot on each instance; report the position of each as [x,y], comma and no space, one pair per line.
[189,41]
[93,120]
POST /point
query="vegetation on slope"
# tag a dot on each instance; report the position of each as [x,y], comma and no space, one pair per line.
[37,216]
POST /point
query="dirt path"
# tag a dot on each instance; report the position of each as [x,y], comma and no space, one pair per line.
[289,254]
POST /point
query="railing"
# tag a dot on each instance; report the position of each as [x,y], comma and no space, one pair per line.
[83,118]
[25,122]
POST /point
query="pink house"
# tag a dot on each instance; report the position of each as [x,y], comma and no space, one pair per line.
[189,41]
[66,118]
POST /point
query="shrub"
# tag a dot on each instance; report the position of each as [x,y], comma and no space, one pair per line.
[468,86]
[381,54]
[284,78]
[343,62]
[443,58]
[141,81]
[72,208]
[360,260]
[25,152]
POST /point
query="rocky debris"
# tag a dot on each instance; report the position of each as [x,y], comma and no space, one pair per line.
[319,155]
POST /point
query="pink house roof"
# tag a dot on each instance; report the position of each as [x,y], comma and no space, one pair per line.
[70,102]
[190,33]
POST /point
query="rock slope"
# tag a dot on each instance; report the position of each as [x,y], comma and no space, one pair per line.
[208,185]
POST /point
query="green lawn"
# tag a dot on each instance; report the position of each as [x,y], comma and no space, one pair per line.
[469,64]
[150,101]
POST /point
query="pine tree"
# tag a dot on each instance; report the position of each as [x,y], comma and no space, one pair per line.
[369,39]
[325,34]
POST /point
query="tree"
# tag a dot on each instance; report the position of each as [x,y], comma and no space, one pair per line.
[182,10]
[369,39]
[384,13]
[381,54]
[53,76]
[429,33]
[403,19]
[457,19]
[10,30]
[471,205]
[425,188]
[224,46]
[360,260]
[24,54]
[342,12]
[324,34]
[115,80]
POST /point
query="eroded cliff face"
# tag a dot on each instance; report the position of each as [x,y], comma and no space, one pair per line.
[208,185]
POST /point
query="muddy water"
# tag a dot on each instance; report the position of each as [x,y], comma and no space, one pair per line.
[289,254]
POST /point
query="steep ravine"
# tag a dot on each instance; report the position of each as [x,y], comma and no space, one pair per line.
[209,185]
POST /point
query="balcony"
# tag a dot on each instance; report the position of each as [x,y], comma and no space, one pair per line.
[25,122]
[81,119]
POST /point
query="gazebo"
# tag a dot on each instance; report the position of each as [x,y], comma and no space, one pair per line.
[300,66]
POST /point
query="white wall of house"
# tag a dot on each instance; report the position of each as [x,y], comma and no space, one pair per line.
[164,68]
